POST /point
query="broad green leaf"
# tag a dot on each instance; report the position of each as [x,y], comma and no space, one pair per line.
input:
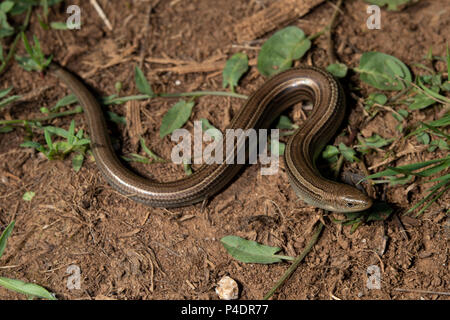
[421,101]
[248,251]
[330,153]
[381,71]
[281,49]
[77,162]
[286,123]
[141,82]
[348,153]
[58,131]
[235,67]
[439,143]
[400,115]
[6,6]
[4,237]
[28,196]
[423,138]
[29,289]
[176,117]
[339,70]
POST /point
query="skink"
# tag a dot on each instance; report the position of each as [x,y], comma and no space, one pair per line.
[261,108]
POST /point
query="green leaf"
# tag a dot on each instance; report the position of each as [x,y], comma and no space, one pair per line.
[6,6]
[339,70]
[330,153]
[423,138]
[279,51]
[29,289]
[421,101]
[409,168]
[66,101]
[4,237]
[176,117]
[136,158]
[348,153]
[149,152]
[379,98]
[4,92]
[31,144]
[439,143]
[59,25]
[6,129]
[250,251]
[57,131]
[286,123]
[48,138]
[381,71]
[77,162]
[375,141]
[141,82]
[392,4]
[28,196]
[235,67]
[187,168]
[114,117]
[8,100]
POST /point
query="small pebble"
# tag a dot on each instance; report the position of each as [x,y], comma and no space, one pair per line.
[227,289]
[177,82]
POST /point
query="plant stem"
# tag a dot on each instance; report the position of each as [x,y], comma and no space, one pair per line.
[49,117]
[297,261]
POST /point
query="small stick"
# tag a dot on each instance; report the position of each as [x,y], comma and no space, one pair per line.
[331,55]
[101,13]
[297,261]
[272,17]
[423,291]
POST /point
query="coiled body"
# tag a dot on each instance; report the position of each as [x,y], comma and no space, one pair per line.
[274,96]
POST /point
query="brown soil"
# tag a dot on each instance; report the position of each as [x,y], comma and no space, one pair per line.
[126,250]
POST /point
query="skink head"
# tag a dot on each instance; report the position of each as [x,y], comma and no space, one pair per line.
[351,199]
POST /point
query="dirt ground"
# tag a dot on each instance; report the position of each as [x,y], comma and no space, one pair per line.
[127,250]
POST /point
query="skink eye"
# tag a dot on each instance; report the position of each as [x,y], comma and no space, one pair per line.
[349,204]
